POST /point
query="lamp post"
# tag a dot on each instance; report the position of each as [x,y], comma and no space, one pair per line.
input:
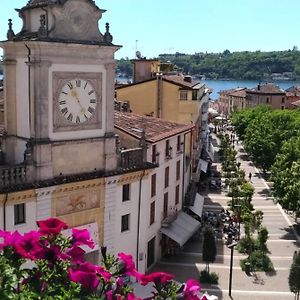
[231,247]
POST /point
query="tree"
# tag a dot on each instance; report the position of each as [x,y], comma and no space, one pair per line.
[209,251]
[294,276]
[285,174]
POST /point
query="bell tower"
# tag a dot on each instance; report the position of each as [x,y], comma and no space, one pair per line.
[59,90]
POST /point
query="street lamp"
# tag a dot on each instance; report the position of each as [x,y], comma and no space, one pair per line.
[231,247]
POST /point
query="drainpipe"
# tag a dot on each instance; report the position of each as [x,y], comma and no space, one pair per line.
[159,95]
[29,88]
[138,224]
[4,211]
[183,170]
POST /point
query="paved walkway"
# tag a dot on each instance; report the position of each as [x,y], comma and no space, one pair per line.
[282,243]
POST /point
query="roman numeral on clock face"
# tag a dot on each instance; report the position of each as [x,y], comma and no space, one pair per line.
[91,92]
[64,111]
[70,85]
[78,83]
[62,102]
[92,100]
[77,119]
[91,109]
[70,117]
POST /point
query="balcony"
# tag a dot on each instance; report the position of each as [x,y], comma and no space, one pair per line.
[131,158]
[14,175]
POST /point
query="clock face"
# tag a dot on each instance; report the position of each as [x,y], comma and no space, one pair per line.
[77,101]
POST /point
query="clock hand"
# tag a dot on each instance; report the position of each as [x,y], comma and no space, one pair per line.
[75,95]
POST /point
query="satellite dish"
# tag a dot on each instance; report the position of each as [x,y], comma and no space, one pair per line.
[138,54]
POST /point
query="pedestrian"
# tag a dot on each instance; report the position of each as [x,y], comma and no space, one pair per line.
[250,176]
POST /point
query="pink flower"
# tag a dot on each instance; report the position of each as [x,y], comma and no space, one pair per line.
[104,274]
[109,295]
[76,253]
[28,245]
[51,254]
[9,239]
[87,275]
[51,226]
[158,277]
[81,237]
[191,288]
[129,267]
[89,280]
[131,296]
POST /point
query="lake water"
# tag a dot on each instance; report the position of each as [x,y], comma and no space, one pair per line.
[219,85]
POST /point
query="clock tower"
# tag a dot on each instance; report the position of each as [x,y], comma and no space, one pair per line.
[59,90]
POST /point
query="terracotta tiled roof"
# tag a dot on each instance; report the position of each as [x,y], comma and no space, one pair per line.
[267,88]
[155,129]
[240,92]
[296,103]
[179,79]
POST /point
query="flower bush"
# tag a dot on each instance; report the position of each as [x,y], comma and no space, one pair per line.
[45,264]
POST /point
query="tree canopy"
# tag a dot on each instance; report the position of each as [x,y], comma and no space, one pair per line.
[230,65]
[272,139]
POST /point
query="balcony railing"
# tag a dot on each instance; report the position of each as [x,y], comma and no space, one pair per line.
[132,158]
[13,175]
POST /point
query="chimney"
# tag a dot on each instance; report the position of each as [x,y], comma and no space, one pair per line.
[258,87]
[188,78]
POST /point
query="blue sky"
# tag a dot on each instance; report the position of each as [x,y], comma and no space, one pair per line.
[169,26]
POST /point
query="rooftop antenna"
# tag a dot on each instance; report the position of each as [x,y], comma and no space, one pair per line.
[136,46]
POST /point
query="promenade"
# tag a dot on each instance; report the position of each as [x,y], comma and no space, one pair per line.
[282,243]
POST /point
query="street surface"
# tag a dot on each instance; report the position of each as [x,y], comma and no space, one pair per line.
[282,243]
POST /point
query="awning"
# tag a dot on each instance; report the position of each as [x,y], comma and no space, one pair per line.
[181,229]
[198,205]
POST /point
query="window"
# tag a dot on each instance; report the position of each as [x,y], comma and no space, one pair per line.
[154,154]
[168,149]
[166,205]
[153,185]
[178,170]
[282,107]
[19,213]
[177,194]
[183,95]
[167,171]
[125,223]
[267,101]
[282,100]
[152,212]
[195,95]
[178,143]
[126,192]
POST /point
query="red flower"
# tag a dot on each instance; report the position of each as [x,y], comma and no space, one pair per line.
[82,237]
[191,288]
[28,245]
[158,277]
[129,267]
[76,253]
[51,226]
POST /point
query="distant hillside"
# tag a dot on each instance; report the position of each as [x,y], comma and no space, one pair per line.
[235,65]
